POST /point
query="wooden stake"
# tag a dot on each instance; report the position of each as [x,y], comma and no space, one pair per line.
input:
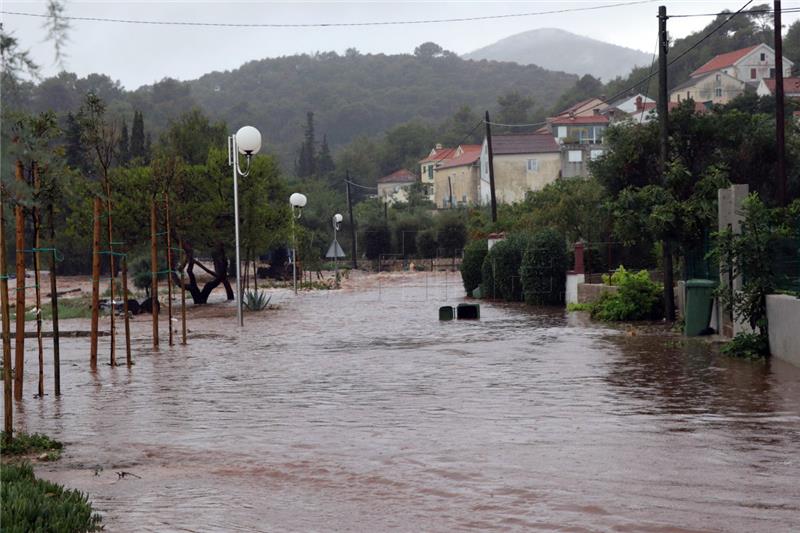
[19,351]
[128,360]
[9,410]
[169,268]
[95,282]
[54,304]
[112,354]
[154,270]
[183,303]
[37,276]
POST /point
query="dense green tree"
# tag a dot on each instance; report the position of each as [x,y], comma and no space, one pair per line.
[307,157]
[515,108]
[137,149]
[791,43]
[123,149]
[325,163]
[192,135]
[586,87]
[74,152]
[428,50]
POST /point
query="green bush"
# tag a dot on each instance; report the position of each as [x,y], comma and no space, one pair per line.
[474,254]
[747,346]
[487,278]
[637,297]
[377,240]
[505,259]
[31,504]
[451,232]
[426,243]
[543,268]
[24,443]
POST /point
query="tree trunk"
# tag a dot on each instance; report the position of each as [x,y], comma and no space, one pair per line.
[220,273]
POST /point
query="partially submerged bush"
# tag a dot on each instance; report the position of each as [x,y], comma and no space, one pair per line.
[747,346]
[472,263]
[637,297]
[26,443]
[31,504]
[426,243]
[543,269]
[505,259]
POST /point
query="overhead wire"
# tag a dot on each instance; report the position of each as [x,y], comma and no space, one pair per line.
[331,24]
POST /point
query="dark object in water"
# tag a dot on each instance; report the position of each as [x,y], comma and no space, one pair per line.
[469,311]
[708,331]
[147,306]
[133,307]
[447,312]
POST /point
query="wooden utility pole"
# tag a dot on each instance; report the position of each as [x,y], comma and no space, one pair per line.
[780,127]
[352,224]
[7,382]
[111,262]
[154,270]
[37,275]
[169,268]
[19,350]
[128,360]
[95,281]
[493,196]
[54,302]
[663,117]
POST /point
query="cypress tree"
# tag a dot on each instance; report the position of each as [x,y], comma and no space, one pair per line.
[74,153]
[137,136]
[307,160]
[124,145]
[325,161]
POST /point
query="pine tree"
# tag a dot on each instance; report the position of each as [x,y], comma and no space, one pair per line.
[307,160]
[74,153]
[124,145]
[137,136]
[325,161]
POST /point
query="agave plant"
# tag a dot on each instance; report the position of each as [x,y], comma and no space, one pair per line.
[256,300]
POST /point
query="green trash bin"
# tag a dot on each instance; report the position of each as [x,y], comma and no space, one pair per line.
[699,302]
[447,312]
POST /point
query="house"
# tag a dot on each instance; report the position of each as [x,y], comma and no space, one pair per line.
[584,108]
[428,165]
[394,187]
[791,87]
[522,162]
[456,180]
[581,129]
[715,87]
[647,111]
[728,75]
[632,104]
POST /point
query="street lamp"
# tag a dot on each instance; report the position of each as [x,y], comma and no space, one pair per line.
[246,141]
[337,220]
[297,201]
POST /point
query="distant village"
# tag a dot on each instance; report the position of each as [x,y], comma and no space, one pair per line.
[562,147]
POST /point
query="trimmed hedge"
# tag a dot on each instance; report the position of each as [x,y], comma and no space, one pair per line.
[543,269]
[31,504]
[426,243]
[505,259]
[472,263]
[487,278]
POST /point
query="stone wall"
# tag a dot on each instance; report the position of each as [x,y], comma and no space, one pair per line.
[590,292]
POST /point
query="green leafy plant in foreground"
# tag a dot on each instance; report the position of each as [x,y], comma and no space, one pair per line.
[637,297]
[256,300]
[25,443]
[747,346]
[31,504]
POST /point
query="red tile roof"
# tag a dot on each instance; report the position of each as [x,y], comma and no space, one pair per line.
[790,85]
[723,60]
[438,155]
[699,107]
[472,152]
[399,176]
[524,143]
[591,119]
[579,105]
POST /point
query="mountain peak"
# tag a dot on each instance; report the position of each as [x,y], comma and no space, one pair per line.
[589,56]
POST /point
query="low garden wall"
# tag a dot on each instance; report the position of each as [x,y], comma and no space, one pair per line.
[783,315]
[590,292]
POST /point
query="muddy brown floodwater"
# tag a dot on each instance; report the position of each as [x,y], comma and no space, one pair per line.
[356,410]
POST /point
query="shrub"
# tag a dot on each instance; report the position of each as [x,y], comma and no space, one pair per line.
[31,504]
[747,346]
[256,300]
[426,243]
[24,443]
[451,232]
[487,278]
[638,297]
[505,259]
[471,265]
[405,231]
[543,268]
[377,240]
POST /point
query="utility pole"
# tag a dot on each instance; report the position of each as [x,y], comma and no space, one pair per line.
[352,224]
[663,117]
[780,127]
[491,167]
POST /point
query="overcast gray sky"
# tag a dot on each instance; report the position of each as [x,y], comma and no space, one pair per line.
[139,54]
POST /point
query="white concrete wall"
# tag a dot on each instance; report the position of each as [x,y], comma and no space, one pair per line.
[572,287]
[783,316]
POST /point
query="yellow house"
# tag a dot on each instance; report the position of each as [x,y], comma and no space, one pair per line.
[456,181]
[716,87]
[522,162]
[394,187]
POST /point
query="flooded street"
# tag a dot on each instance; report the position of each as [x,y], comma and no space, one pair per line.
[357,410]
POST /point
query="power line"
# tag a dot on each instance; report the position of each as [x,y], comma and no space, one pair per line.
[353,183]
[452,150]
[751,12]
[330,24]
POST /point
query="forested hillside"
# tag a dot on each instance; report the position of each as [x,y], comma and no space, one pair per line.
[351,95]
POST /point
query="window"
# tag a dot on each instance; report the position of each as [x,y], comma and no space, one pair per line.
[772,73]
[430,171]
[464,198]
[533,165]
[719,77]
[596,154]
[718,92]
[752,73]
[763,56]
[575,156]
[562,132]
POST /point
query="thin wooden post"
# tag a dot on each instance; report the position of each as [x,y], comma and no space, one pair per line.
[6,319]
[95,282]
[154,270]
[128,360]
[111,262]
[37,276]
[54,303]
[19,350]
[183,303]
[169,268]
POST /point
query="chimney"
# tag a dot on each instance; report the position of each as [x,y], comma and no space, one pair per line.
[639,104]
[438,146]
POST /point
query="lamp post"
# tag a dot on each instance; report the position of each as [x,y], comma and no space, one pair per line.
[337,220]
[298,202]
[246,141]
